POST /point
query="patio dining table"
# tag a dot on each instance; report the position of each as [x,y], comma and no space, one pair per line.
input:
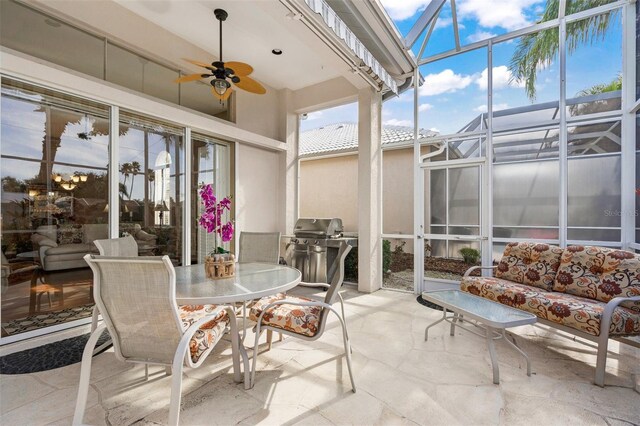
[251,281]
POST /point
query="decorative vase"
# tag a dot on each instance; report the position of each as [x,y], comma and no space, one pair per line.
[220,266]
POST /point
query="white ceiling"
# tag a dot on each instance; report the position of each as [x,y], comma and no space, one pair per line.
[251,31]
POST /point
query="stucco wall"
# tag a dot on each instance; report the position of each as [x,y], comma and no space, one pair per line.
[257,189]
[329,188]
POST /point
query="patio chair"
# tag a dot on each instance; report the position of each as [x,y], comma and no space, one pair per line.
[137,299]
[302,317]
[119,247]
[258,247]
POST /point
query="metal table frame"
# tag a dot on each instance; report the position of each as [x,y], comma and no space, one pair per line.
[492,330]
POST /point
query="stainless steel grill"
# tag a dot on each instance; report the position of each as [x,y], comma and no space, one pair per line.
[313,249]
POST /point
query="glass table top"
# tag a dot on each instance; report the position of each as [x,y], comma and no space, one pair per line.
[488,312]
[251,281]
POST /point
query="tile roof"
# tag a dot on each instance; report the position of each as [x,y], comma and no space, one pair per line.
[343,137]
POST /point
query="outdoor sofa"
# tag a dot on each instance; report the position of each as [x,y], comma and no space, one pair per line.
[592,292]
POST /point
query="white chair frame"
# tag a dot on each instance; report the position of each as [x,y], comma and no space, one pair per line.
[181,357]
[333,289]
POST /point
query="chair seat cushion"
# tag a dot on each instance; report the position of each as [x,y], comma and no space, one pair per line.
[297,319]
[209,333]
[572,311]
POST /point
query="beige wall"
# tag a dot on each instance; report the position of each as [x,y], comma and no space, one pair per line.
[329,188]
[320,179]
[257,189]
[318,176]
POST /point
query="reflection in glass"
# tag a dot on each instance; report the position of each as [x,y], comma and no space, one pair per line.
[54,194]
[211,164]
[151,185]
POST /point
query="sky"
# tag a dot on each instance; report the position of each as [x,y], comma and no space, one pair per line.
[455,89]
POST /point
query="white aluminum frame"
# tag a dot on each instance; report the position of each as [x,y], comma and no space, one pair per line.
[626,115]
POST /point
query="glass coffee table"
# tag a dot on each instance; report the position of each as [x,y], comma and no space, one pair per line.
[492,317]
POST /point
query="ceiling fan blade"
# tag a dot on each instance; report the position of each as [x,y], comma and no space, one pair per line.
[251,85]
[223,97]
[190,77]
[200,64]
[239,68]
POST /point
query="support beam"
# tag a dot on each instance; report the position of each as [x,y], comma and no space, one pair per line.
[289,179]
[369,190]
[421,24]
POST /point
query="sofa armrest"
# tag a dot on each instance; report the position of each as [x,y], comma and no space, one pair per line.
[43,241]
[145,236]
[473,268]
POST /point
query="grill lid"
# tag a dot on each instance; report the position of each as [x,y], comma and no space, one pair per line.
[318,228]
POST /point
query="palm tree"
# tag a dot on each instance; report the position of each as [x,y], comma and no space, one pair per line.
[537,51]
[134,169]
[125,169]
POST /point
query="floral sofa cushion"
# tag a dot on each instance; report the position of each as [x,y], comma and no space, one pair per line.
[572,311]
[599,273]
[209,333]
[530,263]
[303,320]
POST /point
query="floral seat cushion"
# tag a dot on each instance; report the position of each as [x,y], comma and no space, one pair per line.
[209,333]
[599,273]
[303,320]
[572,311]
[533,264]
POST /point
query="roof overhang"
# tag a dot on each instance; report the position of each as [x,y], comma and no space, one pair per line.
[328,25]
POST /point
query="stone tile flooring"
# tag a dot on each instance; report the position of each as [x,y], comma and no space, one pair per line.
[401,379]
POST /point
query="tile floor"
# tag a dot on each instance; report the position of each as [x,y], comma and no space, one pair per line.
[401,379]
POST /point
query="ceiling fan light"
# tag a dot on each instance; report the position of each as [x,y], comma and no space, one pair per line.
[220,86]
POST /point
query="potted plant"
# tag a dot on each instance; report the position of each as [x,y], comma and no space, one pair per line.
[219,263]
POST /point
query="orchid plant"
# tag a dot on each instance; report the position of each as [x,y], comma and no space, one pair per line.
[211,218]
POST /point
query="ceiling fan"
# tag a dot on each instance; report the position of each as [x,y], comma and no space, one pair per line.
[225,73]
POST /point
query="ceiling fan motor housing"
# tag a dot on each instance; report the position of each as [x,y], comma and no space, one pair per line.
[221,14]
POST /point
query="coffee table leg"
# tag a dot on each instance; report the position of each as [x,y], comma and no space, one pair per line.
[514,345]
[455,319]
[492,352]
[426,330]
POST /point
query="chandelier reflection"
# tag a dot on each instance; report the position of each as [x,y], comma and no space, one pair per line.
[69,182]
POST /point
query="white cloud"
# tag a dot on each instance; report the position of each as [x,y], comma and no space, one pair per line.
[480,35]
[396,122]
[507,14]
[444,82]
[501,78]
[403,9]
[496,107]
[424,107]
[433,129]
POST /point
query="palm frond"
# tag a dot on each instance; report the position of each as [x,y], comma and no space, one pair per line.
[537,51]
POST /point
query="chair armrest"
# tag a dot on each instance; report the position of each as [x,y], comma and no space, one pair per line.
[323,285]
[608,312]
[473,268]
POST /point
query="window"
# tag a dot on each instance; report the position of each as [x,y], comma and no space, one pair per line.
[55,189]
